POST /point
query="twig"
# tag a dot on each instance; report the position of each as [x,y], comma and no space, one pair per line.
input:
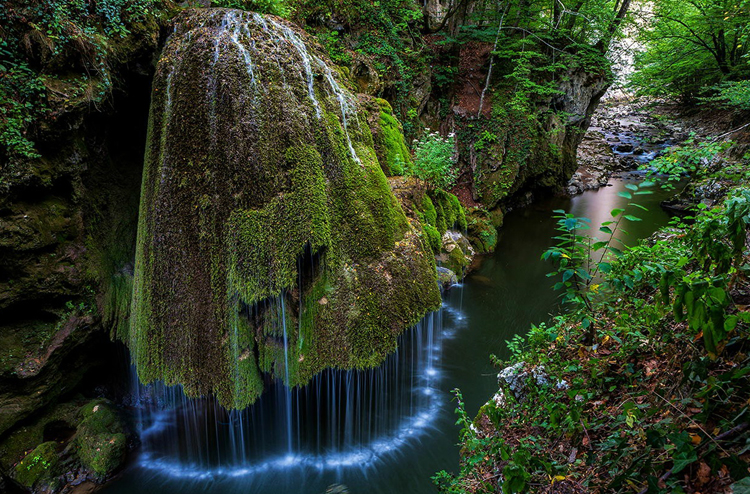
[730,132]
[587,435]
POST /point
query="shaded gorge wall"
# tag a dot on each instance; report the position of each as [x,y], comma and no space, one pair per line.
[268,240]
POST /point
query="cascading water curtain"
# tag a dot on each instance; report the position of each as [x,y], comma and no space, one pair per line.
[342,418]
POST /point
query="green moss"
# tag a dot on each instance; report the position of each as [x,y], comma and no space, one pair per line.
[428,209]
[516,151]
[388,138]
[99,439]
[227,224]
[116,304]
[102,453]
[497,217]
[264,244]
[433,237]
[444,211]
[457,261]
[481,231]
[38,467]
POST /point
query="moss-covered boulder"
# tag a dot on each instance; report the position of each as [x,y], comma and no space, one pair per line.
[39,467]
[446,277]
[269,240]
[481,230]
[456,252]
[100,440]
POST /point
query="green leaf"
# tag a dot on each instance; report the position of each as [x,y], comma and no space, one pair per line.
[616,212]
[741,487]
[630,217]
[598,245]
[682,460]
[626,195]
[632,187]
[606,229]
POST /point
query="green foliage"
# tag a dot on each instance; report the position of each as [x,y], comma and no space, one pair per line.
[731,94]
[434,160]
[580,259]
[275,7]
[332,42]
[717,241]
[691,46]
[691,159]
[386,31]
[41,36]
[21,95]
[635,397]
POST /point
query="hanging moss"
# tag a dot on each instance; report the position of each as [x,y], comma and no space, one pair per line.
[388,138]
[433,237]
[254,166]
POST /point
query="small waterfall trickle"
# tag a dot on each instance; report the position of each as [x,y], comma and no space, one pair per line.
[307,62]
[342,419]
[287,392]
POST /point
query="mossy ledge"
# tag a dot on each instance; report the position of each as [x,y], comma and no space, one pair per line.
[264,206]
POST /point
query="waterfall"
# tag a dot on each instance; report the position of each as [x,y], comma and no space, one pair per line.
[342,419]
[258,152]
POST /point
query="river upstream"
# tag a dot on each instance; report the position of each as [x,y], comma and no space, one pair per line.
[382,431]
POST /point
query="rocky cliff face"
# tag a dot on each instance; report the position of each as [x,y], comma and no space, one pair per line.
[67,226]
[509,148]
[269,240]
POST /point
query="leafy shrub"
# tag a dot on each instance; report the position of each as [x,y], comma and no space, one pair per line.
[690,159]
[735,94]
[434,160]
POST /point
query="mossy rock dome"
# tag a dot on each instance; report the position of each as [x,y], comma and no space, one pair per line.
[269,241]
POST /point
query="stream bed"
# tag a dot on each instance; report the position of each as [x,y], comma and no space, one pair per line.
[382,431]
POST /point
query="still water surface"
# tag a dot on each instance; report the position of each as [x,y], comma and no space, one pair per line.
[416,435]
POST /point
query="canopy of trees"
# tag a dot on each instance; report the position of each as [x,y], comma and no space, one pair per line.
[692,46]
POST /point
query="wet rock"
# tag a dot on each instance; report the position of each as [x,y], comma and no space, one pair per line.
[595,164]
[481,230]
[711,190]
[514,377]
[100,441]
[456,253]
[366,76]
[39,467]
[318,192]
[639,151]
[624,148]
[446,277]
